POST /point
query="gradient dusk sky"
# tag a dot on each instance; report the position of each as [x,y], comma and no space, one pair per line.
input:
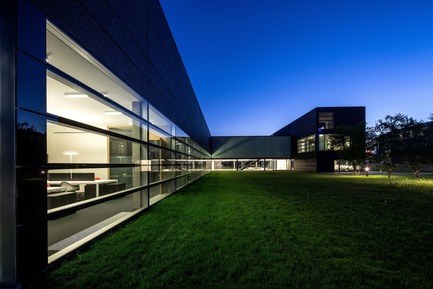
[258,65]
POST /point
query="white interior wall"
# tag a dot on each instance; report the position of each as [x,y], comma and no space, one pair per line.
[91,148]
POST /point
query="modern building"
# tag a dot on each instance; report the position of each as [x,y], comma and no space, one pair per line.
[99,121]
[251,153]
[312,149]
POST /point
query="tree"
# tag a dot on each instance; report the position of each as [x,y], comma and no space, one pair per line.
[401,140]
[349,143]
[29,140]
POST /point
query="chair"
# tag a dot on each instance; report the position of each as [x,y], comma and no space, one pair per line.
[68,187]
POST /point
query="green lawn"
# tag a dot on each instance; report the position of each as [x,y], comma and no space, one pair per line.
[270,230]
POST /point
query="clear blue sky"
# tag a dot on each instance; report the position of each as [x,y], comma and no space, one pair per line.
[258,65]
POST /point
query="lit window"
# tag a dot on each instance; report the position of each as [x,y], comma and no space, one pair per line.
[307,144]
[326,120]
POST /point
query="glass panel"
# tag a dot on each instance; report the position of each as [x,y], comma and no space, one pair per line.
[224,165]
[250,164]
[154,192]
[67,230]
[99,99]
[158,119]
[180,182]
[180,133]
[325,143]
[182,164]
[168,187]
[159,138]
[126,152]
[326,120]
[72,145]
[167,165]
[70,186]
[180,146]
[69,57]
[155,161]
[282,165]
[322,143]
[69,101]
[307,144]
[114,164]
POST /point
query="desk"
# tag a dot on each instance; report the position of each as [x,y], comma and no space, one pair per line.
[55,190]
[55,200]
[96,182]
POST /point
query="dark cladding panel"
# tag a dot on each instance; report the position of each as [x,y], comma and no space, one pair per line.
[134,16]
[30,38]
[155,60]
[251,147]
[31,161]
[75,19]
[303,126]
[8,224]
[122,38]
[168,64]
[33,74]
[120,33]
[305,165]
[349,115]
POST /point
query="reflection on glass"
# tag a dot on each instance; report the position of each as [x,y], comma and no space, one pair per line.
[65,231]
[72,145]
[307,144]
[114,144]
[68,101]
[158,119]
[63,51]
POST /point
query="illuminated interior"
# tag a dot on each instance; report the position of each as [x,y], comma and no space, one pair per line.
[110,153]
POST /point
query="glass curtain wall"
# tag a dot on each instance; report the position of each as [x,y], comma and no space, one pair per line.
[251,164]
[307,144]
[110,153]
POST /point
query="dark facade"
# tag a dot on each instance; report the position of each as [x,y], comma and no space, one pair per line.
[97,112]
[310,146]
[154,141]
[133,40]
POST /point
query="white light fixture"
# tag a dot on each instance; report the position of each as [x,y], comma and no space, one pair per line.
[75,95]
[70,154]
[112,112]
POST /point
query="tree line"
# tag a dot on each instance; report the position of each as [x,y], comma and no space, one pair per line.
[395,141]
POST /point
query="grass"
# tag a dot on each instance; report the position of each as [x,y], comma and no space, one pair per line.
[270,230]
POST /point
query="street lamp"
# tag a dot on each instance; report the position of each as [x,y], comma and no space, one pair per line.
[367,169]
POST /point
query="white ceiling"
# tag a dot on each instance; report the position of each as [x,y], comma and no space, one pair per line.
[67,56]
[83,68]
